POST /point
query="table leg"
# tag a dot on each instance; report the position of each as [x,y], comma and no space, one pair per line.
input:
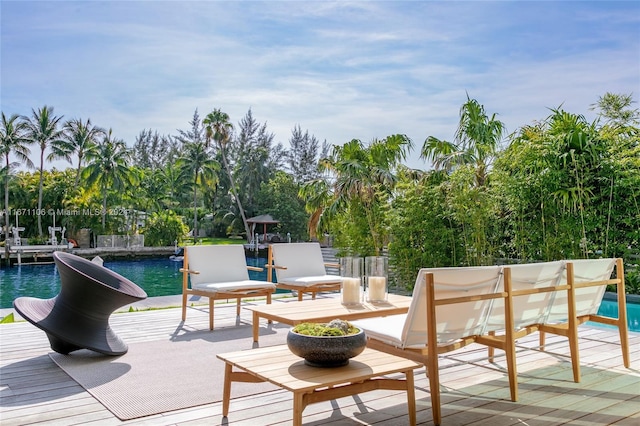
[411,397]
[226,390]
[256,326]
[298,407]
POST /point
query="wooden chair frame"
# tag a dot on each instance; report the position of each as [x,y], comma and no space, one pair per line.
[428,355]
[313,289]
[238,294]
[569,329]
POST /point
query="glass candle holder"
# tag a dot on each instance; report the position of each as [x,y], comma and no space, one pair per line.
[351,291]
[377,278]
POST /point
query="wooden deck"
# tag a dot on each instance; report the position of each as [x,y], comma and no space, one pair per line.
[34,391]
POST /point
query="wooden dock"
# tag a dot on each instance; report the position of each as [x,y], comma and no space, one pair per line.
[35,391]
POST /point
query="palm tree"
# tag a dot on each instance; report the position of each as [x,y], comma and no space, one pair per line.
[364,178]
[475,142]
[196,161]
[218,128]
[81,137]
[42,129]
[108,168]
[12,141]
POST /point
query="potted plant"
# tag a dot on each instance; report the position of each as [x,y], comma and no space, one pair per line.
[326,344]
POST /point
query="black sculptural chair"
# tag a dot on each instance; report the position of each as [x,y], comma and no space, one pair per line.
[78,317]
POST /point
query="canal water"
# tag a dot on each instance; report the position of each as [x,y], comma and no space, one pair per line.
[157,276]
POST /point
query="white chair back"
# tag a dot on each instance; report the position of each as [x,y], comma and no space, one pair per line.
[453,321]
[528,309]
[300,260]
[217,263]
[588,299]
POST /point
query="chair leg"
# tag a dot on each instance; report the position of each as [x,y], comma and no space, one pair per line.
[184,306]
[211,313]
[300,294]
[490,349]
[238,307]
[434,387]
[510,353]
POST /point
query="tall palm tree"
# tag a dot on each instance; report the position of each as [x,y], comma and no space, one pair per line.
[176,185]
[218,128]
[12,141]
[42,129]
[475,142]
[80,138]
[196,161]
[108,168]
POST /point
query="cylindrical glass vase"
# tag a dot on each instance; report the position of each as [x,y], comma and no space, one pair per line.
[351,292]
[377,278]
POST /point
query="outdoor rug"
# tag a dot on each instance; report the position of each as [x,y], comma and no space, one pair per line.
[159,376]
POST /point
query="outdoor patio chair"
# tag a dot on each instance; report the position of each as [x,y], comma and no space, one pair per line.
[78,316]
[588,279]
[220,272]
[448,311]
[534,287]
[300,267]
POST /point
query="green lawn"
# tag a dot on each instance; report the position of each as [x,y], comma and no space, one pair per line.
[214,240]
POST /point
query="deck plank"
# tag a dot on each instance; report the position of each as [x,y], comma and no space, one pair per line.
[34,391]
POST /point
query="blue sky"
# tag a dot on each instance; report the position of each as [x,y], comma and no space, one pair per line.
[341,70]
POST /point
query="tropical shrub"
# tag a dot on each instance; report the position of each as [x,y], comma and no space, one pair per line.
[164,229]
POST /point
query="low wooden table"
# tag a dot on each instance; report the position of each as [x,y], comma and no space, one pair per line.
[277,365]
[325,310]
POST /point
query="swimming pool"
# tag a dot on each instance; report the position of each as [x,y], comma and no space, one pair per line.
[162,277]
[609,308]
[157,276]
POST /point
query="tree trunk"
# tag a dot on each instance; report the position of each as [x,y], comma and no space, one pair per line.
[237,197]
[104,209]
[78,170]
[40,193]
[6,202]
[195,210]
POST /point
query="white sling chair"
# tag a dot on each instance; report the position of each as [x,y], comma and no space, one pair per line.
[588,279]
[300,267]
[219,272]
[534,287]
[448,311]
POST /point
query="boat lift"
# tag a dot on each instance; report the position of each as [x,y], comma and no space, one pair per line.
[19,249]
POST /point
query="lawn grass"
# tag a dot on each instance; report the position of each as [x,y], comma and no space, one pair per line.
[214,241]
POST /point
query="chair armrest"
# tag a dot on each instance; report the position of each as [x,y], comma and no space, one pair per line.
[255,268]
[332,265]
[276,266]
[190,271]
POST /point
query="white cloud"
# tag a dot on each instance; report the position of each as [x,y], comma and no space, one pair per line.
[341,70]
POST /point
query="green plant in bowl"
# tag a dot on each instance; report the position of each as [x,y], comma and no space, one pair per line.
[336,327]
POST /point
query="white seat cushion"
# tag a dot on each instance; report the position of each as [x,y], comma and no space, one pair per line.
[244,285]
[311,281]
[386,329]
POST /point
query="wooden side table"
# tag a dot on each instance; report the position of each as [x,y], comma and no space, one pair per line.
[277,365]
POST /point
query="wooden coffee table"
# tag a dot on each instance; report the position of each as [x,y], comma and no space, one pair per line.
[277,365]
[325,310]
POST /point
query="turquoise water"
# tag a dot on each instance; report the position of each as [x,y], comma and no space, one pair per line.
[162,277]
[158,277]
[609,308]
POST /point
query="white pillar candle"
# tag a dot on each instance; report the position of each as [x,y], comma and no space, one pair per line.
[350,291]
[377,287]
